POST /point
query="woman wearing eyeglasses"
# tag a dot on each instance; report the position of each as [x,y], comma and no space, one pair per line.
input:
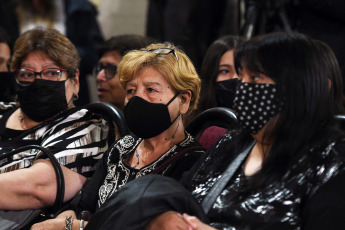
[46,65]
[161,86]
[111,52]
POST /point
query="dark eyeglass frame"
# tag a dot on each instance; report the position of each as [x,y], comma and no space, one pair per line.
[163,51]
[27,83]
[99,67]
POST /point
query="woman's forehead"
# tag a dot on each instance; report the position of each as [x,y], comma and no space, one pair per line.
[149,76]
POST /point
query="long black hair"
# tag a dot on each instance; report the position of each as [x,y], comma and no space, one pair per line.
[331,65]
[210,66]
[293,61]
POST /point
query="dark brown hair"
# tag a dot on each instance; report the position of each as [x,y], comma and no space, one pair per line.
[48,41]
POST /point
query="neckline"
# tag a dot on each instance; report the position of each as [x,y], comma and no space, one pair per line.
[160,158]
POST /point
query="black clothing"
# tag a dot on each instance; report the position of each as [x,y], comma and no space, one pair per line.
[308,196]
[113,172]
[138,212]
[279,205]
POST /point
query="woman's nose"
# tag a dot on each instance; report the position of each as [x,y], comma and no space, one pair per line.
[38,75]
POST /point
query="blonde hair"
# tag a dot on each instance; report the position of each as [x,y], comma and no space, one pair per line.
[178,71]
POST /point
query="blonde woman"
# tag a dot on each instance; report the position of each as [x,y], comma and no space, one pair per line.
[161,86]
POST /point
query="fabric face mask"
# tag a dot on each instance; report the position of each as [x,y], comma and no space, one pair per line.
[146,119]
[225,92]
[255,104]
[42,99]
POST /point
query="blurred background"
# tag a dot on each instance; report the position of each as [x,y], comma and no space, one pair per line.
[190,24]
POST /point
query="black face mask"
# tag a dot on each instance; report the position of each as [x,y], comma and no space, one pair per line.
[42,99]
[146,119]
[7,89]
[225,92]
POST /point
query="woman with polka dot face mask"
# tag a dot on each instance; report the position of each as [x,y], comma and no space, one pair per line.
[284,169]
[257,100]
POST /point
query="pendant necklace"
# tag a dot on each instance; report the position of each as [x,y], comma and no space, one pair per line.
[170,144]
[137,155]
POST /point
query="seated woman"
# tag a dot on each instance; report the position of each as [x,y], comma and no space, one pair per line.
[46,68]
[111,52]
[287,162]
[218,74]
[219,81]
[161,87]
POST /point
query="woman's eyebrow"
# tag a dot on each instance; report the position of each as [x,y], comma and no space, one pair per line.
[149,83]
[225,65]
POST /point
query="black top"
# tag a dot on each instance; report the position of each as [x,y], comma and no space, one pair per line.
[310,195]
[113,172]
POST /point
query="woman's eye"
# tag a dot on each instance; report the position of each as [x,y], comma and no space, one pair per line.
[223,71]
[151,90]
[52,73]
[255,78]
[130,91]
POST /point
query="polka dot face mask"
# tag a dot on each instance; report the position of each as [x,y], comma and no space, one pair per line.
[255,104]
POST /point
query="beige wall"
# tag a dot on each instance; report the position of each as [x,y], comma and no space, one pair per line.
[121,16]
[118,17]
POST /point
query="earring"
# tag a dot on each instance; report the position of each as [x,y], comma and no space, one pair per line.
[75,97]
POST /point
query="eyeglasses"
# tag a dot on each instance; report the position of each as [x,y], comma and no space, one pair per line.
[162,51]
[109,70]
[26,77]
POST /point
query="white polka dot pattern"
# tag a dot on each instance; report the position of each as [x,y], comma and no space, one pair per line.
[255,104]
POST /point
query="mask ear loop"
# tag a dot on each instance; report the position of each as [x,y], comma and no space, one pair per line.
[178,124]
[169,104]
[172,99]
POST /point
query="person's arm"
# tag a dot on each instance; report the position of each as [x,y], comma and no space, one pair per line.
[195,223]
[168,220]
[325,209]
[36,187]
[174,220]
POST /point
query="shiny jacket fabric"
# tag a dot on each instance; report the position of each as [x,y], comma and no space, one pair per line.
[308,196]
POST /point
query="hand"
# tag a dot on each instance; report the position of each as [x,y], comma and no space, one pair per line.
[195,223]
[49,224]
[168,220]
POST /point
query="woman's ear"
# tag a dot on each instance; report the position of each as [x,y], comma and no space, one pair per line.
[185,98]
[75,81]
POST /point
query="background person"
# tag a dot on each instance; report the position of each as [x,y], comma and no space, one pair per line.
[219,81]
[218,74]
[111,52]
[46,68]
[7,87]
